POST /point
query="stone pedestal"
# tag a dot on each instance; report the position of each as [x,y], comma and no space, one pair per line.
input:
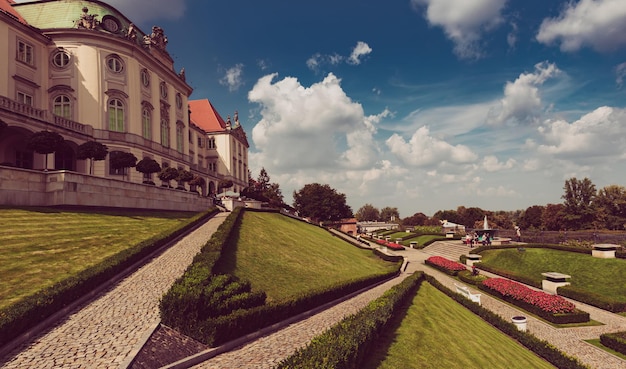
[604,250]
[470,259]
[413,244]
[553,281]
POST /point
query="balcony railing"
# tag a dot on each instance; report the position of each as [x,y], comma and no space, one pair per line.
[31,112]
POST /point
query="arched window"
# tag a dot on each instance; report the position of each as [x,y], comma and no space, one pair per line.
[179,137]
[62,107]
[146,119]
[116,115]
[165,133]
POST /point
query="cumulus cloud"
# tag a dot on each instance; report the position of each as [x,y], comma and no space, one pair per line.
[233,77]
[424,150]
[599,24]
[492,164]
[598,134]
[318,60]
[522,101]
[464,22]
[311,127]
[360,50]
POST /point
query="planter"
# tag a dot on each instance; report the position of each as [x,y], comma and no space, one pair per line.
[520,322]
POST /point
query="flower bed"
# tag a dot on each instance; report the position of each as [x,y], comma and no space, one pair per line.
[390,245]
[447,266]
[553,308]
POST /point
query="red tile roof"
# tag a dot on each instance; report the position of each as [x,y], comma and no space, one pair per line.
[5,7]
[204,115]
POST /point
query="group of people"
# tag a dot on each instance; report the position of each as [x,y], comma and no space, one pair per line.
[474,238]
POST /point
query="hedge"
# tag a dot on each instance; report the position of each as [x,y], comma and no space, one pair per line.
[615,341]
[28,312]
[593,299]
[346,345]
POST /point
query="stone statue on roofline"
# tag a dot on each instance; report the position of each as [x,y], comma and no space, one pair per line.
[236,118]
[132,32]
[156,38]
[86,20]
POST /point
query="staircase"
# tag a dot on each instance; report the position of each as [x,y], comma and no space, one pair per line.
[448,249]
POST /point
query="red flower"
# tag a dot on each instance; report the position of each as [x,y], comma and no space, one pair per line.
[549,303]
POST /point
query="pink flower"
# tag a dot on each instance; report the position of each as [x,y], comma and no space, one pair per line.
[549,303]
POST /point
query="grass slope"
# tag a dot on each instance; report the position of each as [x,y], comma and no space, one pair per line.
[593,274]
[436,332]
[41,246]
[284,256]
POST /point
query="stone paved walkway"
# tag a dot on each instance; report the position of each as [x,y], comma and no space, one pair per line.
[104,333]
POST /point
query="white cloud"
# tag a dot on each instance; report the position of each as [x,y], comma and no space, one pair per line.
[424,150]
[316,127]
[511,38]
[233,77]
[595,137]
[360,50]
[492,164]
[522,101]
[620,72]
[599,24]
[464,22]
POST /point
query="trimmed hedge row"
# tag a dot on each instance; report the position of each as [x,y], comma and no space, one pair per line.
[593,299]
[506,274]
[615,341]
[581,250]
[28,312]
[183,305]
[539,347]
[346,345]
[576,317]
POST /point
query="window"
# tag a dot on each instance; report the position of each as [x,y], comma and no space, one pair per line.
[116,115]
[163,90]
[24,98]
[179,137]
[211,143]
[25,53]
[24,159]
[61,107]
[179,101]
[165,133]
[146,120]
[145,78]
[200,142]
[115,64]
[60,58]
[111,24]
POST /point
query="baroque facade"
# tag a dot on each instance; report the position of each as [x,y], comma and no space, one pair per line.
[85,71]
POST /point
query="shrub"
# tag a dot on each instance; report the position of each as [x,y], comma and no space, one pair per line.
[615,341]
[602,302]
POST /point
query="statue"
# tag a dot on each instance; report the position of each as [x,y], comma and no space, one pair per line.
[182,74]
[236,119]
[87,20]
[132,32]
[228,123]
[156,38]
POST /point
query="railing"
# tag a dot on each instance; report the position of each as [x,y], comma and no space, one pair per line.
[29,111]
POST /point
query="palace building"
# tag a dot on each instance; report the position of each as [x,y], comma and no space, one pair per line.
[84,70]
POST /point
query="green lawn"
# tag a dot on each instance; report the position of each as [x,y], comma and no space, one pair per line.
[436,332]
[41,246]
[283,256]
[600,276]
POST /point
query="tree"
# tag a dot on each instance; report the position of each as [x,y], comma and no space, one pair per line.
[578,199]
[95,151]
[469,216]
[321,202]
[531,218]
[45,142]
[610,205]
[552,217]
[388,214]
[148,166]
[197,181]
[122,160]
[263,190]
[451,216]
[367,213]
[417,219]
[225,184]
[167,174]
[183,177]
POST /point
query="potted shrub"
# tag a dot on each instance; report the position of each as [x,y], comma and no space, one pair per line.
[92,150]
[123,160]
[183,177]
[45,142]
[167,174]
[147,166]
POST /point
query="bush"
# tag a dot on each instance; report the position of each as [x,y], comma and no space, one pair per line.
[602,302]
[615,341]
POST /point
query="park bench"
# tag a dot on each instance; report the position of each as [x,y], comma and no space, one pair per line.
[475,297]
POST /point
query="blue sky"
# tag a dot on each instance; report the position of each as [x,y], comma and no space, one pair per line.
[423,105]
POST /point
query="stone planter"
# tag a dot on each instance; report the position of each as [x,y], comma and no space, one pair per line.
[520,322]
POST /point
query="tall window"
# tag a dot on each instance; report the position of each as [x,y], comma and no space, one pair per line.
[61,107]
[210,142]
[25,53]
[165,133]
[179,137]
[146,120]
[116,115]
[24,98]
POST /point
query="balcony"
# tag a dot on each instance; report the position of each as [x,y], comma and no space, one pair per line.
[43,115]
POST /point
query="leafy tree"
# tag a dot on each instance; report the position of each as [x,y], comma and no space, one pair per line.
[367,213]
[321,202]
[578,199]
[450,216]
[225,184]
[417,219]
[148,166]
[167,174]
[552,217]
[122,160]
[531,218]
[197,181]
[45,142]
[263,190]
[388,214]
[469,216]
[95,151]
[183,177]
[610,205]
